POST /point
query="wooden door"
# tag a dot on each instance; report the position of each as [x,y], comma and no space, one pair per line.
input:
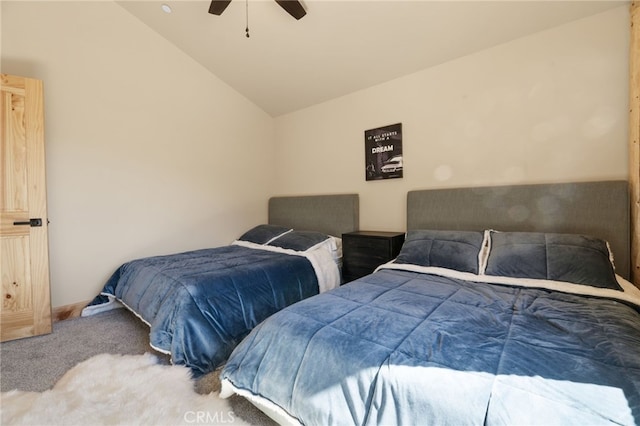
[26,305]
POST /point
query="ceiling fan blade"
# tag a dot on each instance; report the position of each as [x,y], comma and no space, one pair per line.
[218,6]
[293,8]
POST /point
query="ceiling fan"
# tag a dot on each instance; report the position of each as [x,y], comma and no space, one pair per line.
[293,7]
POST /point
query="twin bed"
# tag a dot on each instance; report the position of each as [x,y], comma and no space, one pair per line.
[506,305]
[200,304]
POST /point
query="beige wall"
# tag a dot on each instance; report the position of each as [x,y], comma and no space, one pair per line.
[544,108]
[147,152]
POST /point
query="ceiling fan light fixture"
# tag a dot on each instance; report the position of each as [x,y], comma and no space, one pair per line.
[166,8]
[292,7]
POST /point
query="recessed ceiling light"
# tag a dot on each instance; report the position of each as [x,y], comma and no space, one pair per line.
[166,8]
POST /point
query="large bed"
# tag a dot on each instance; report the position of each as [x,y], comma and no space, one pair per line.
[506,305]
[200,304]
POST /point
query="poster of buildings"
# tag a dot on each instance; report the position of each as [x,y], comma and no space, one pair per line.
[383,152]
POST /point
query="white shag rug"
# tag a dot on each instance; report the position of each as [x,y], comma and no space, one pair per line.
[118,390]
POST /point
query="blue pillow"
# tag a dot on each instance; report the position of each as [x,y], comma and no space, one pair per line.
[299,240]
[578,259]
[262,234]
[457,250]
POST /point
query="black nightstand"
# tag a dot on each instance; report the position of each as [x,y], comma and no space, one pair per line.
[364,251]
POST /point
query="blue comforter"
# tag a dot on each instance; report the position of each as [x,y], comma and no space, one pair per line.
[407,348]
[200,304]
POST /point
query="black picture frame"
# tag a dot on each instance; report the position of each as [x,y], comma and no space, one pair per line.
[383,152]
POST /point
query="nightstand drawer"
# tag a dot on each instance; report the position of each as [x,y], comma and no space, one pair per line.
[366,246]
[369,258]
[354,272]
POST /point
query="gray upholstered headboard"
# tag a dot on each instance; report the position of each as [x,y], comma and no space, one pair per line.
[600,209]
[332,214]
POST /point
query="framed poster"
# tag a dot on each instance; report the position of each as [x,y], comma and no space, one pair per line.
[383,152]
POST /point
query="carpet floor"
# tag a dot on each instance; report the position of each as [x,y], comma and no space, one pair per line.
[36,364]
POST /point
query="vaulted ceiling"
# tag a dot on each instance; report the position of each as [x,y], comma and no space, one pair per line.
[341,47]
